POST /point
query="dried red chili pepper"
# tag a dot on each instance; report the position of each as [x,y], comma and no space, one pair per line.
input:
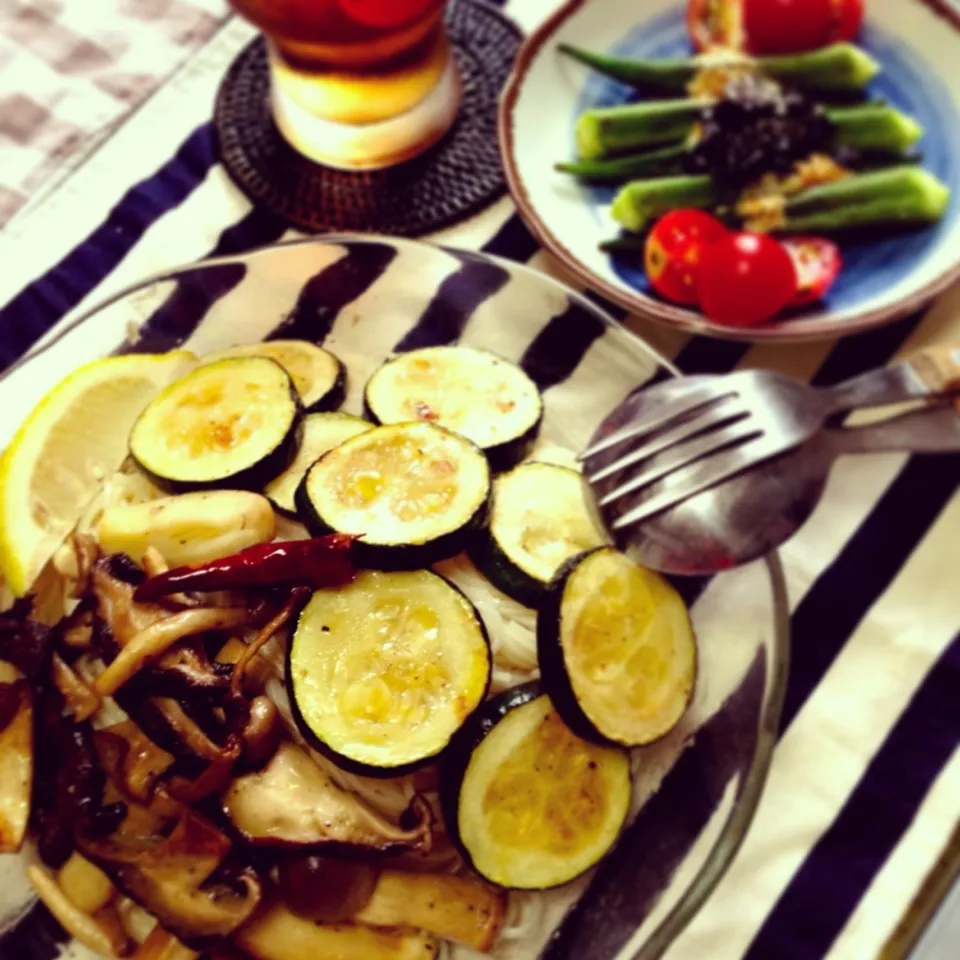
[322,562]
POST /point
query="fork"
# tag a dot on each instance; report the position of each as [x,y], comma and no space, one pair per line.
[718,429]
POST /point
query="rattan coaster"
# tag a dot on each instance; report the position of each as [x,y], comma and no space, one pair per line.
[451,181]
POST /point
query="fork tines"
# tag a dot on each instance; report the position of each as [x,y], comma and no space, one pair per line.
[691,401]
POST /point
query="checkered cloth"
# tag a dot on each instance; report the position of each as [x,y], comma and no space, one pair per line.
[71,70]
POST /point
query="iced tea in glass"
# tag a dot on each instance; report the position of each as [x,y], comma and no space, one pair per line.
[358,84]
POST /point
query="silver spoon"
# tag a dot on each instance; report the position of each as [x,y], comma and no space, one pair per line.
[746,517]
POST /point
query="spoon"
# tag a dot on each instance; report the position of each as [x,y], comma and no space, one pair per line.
[750,515]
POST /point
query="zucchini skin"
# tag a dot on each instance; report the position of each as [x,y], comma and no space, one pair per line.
[501,456]
[495,564]
[284,511]
[407,556]
[553,668]
[489,558]
[255,477]
[461,747]
[370,770]
[333,399]
[506,455]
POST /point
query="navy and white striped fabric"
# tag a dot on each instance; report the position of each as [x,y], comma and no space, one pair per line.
[864,789]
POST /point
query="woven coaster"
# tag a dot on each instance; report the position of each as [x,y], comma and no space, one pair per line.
[451,181]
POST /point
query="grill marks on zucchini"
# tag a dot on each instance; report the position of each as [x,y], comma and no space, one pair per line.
[233,423]
[319,377]
[474,393]
[414,492]
[539,518]
[321,433]
[530,804]
[616,649]
[383,672]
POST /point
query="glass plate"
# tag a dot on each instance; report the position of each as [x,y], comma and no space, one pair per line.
[364,298]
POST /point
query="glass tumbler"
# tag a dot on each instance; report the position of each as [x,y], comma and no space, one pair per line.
[358,84]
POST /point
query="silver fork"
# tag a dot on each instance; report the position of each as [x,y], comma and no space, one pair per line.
[718,429]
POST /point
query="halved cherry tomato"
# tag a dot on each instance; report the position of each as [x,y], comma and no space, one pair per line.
[817,263]
[787,26]
[772,26]
[745,279]
[673,250]
[387,13]
[847,20]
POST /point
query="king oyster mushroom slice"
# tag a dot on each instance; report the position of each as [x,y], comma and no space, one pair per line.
[292,803]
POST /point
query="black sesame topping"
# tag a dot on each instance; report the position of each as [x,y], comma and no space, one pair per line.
[757,128]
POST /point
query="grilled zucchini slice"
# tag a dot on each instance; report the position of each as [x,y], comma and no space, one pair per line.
[539,518]
[474,393]
[235,423]
[383,672]
[529,803]
[321,433]
[319,376]
[616,649]
[414,492]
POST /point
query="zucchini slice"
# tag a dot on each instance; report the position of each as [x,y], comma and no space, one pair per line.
[539,518]
[474,393]
[414,492]
[616,649]
[319,377]
[529,803]
[234,423]
[321,433]
[383,672]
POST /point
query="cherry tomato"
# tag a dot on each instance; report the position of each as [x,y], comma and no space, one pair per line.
[847,20]
[673,250]
[744,279]
[772,26]
[714,23]
[817,263]
[787,26]
[387,13]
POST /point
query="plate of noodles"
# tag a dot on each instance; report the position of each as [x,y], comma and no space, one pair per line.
[311,645]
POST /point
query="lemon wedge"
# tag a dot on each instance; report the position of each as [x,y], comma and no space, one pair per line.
[65,450]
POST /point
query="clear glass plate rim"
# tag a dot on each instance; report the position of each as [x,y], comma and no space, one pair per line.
[750,790]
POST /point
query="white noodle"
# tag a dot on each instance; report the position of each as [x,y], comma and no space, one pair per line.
[524,916]
[512,626]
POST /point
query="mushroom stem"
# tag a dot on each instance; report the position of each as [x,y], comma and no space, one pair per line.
[156,639]
[161,945]
[266,633]
[453,908]
[82,700]
[278,934]
[87,887]
[103,938]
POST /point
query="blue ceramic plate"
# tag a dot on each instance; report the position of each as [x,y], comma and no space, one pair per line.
[918,48]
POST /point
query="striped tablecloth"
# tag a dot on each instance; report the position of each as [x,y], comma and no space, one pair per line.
[864,791]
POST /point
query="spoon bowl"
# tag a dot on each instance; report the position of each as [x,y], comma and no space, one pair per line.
[747,517]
